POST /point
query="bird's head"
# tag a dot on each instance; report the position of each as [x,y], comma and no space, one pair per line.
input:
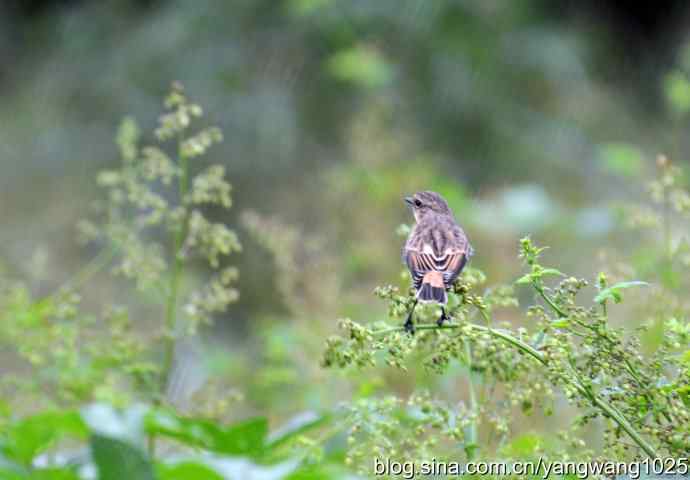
[427,203]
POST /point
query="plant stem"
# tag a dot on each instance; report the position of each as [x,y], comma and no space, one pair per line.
[177,274]
[525,348]
[547,299]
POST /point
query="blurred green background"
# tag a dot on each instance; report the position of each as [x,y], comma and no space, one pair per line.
[528,116]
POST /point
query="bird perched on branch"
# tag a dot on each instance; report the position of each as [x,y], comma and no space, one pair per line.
[435,252]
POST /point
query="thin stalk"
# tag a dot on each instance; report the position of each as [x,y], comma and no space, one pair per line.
[177,274]
[547,299]
[520,345]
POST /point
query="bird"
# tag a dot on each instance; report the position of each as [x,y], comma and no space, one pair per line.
[436,251]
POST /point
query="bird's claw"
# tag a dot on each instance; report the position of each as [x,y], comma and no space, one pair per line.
[409,326]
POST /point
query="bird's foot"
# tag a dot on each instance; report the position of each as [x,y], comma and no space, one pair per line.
[409,326]
[442,318]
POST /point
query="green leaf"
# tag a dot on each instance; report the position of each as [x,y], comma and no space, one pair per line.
[245,438]
[296,427]
[37,433]
[118,460]
[552,271]
[613,292]
[536,274]
[187,471]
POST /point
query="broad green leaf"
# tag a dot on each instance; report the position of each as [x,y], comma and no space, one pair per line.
[187,471]
[197,433]
[525,279]
[245,438]
[118,460]
[299,425]
[613,292]
[33,435]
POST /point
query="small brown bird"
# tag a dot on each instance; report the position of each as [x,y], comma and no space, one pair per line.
[435,252]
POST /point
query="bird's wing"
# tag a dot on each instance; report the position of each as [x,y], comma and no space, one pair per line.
[455,263]
[450,264]
[417,265]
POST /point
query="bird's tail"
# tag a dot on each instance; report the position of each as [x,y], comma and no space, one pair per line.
[432,288]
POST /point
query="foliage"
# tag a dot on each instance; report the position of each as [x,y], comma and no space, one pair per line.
[154,227]
[197,446]
[91,395]
[572,348]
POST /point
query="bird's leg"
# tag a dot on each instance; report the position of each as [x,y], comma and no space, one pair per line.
[409,326]
[443,317]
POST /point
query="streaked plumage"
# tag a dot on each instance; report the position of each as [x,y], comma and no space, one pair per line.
[436,250]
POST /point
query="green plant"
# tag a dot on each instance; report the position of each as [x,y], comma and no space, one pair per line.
[153,198]
[116,437]
[569,347]
[100,380]
[153,228]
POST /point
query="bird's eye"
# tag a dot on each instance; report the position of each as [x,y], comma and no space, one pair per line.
[417,202]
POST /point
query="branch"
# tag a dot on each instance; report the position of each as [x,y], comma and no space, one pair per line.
[548,300]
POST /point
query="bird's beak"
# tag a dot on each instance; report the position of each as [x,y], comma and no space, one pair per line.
[409,201]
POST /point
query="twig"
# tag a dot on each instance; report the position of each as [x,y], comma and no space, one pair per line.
[547,299]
